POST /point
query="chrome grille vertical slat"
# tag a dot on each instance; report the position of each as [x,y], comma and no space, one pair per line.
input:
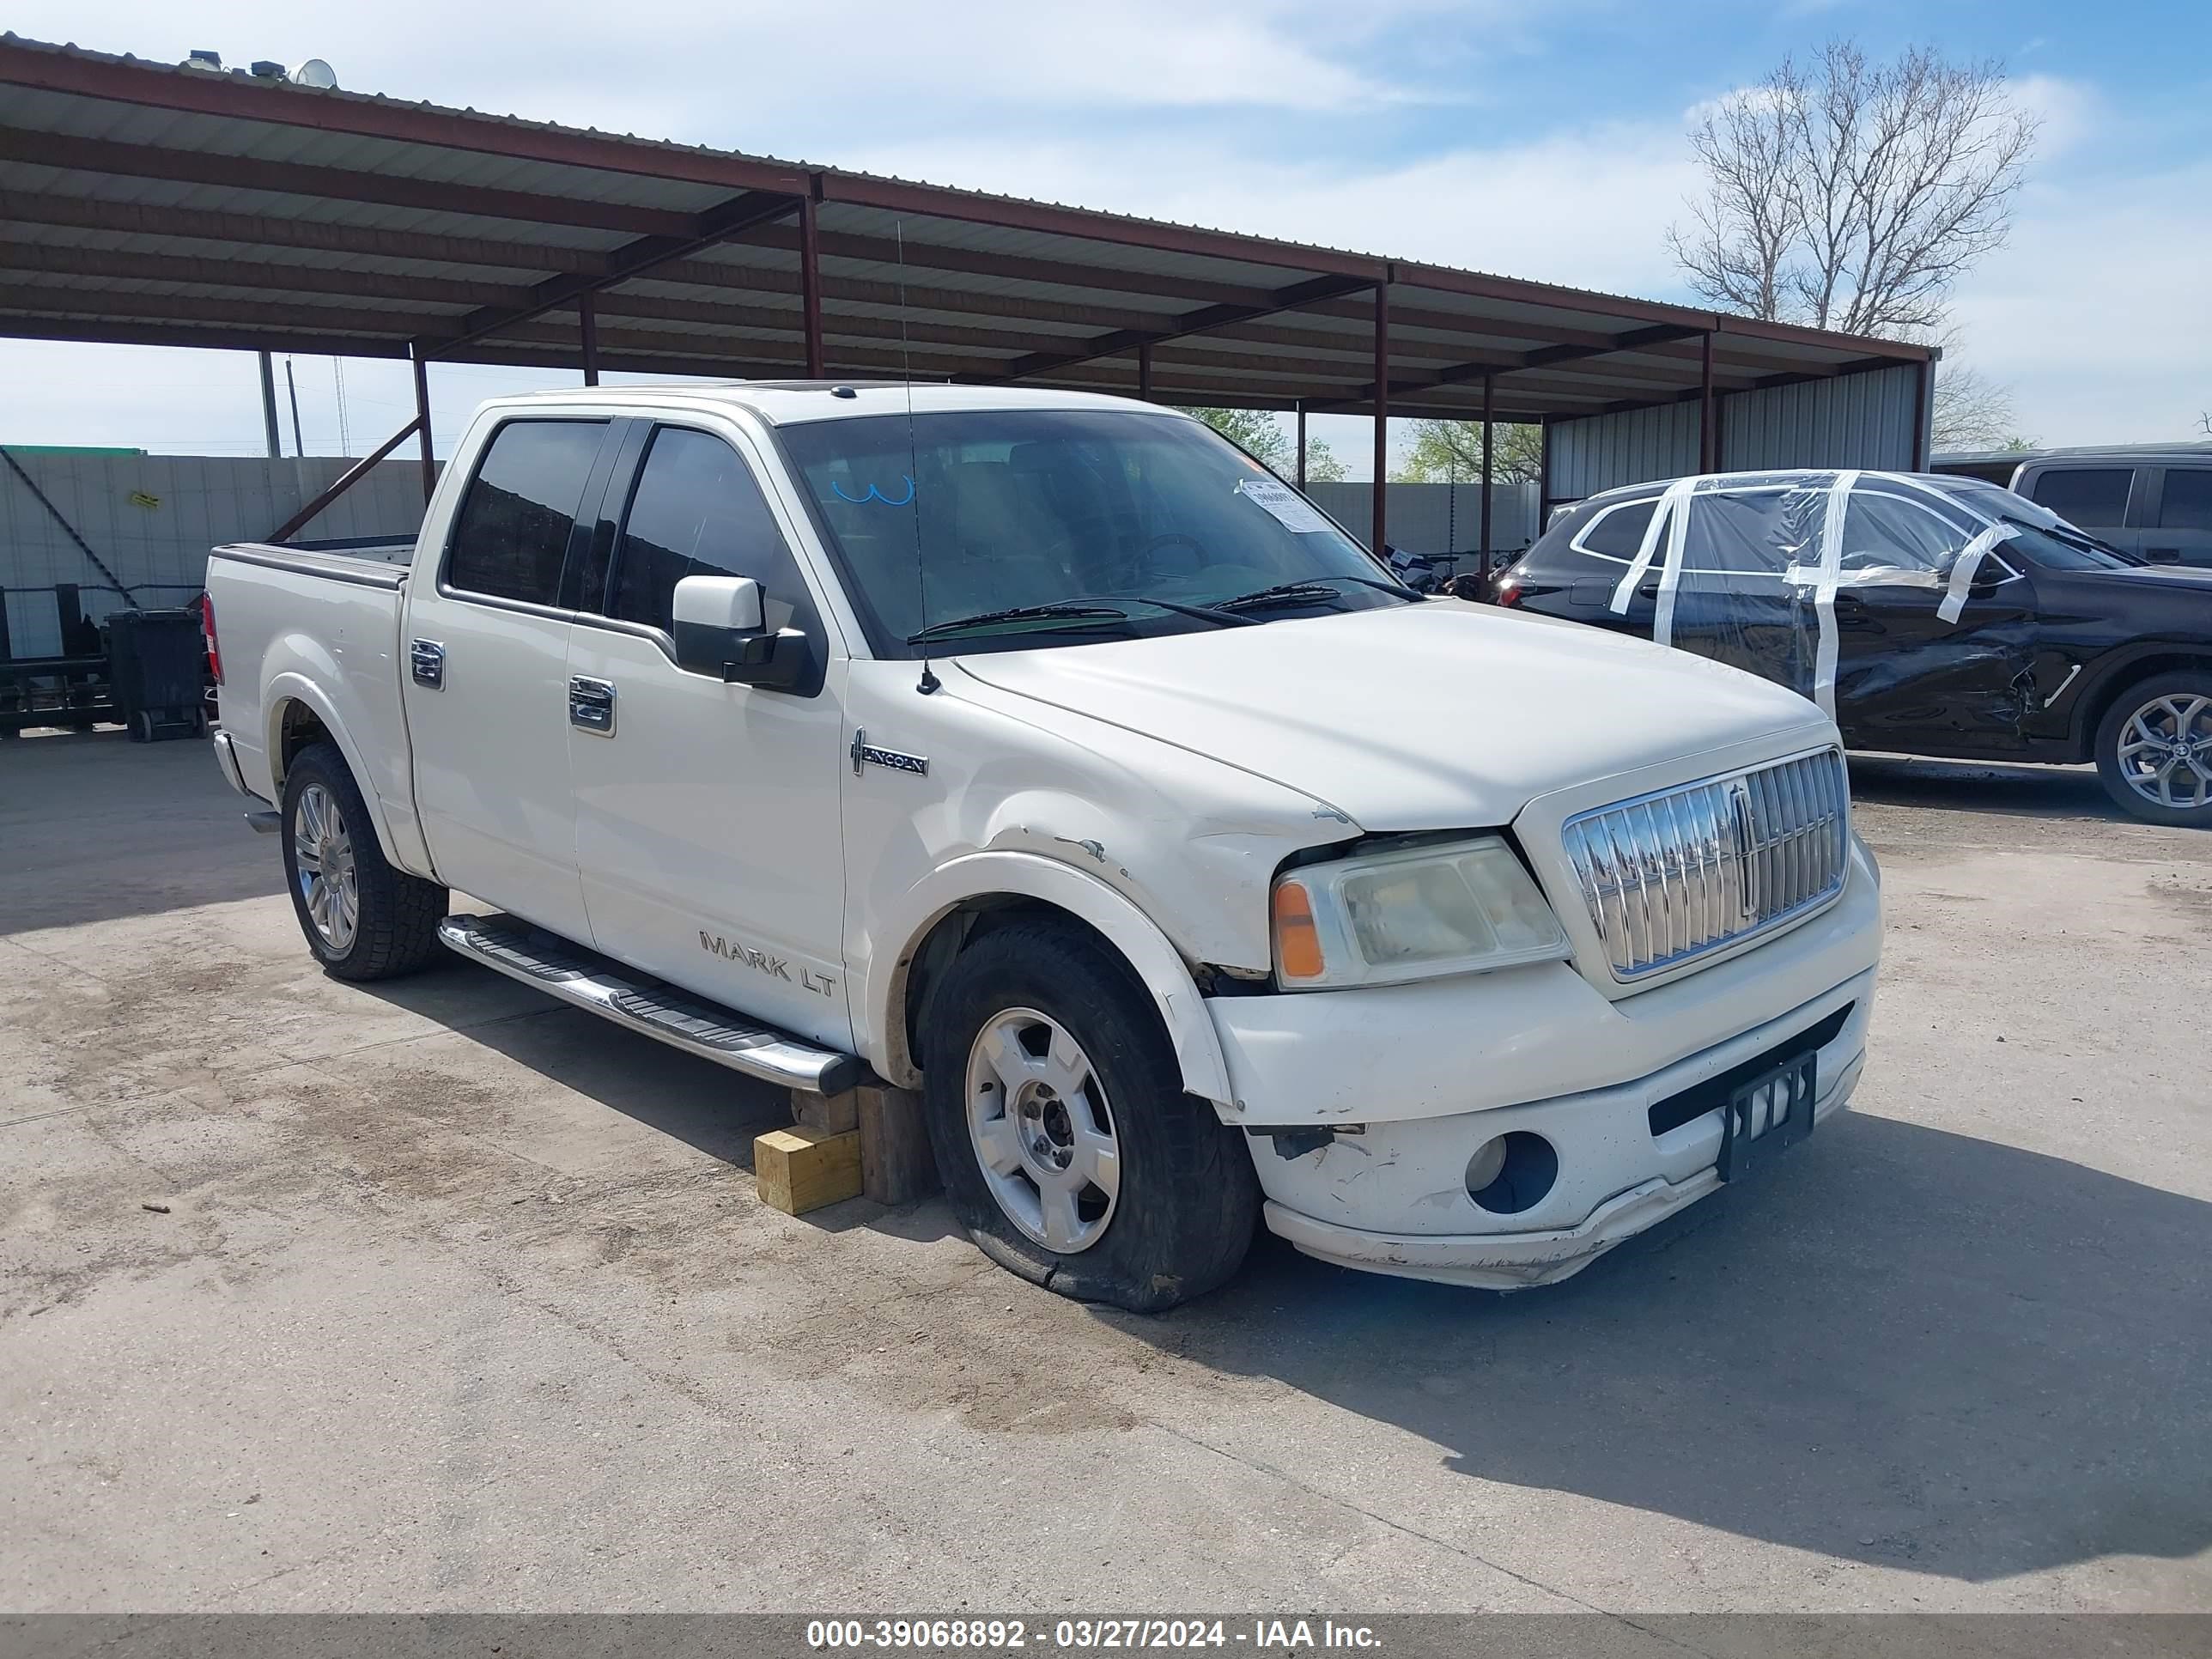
[1671,875]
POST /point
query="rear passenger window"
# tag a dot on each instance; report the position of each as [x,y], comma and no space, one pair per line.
[2086,496]
[697,512]
[1617,532]
[513,530]
[2188,501]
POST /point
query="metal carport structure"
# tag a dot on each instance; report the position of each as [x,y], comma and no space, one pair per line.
[151,203]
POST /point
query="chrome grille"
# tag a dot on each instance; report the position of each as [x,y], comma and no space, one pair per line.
[1669,875]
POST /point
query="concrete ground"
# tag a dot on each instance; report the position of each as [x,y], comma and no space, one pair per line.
[458,1300]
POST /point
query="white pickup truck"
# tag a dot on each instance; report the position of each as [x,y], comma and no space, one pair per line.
[1044,753]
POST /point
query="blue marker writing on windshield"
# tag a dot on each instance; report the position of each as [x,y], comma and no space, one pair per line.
[874,494]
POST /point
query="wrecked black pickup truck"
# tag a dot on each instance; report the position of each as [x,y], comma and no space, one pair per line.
[1929,615]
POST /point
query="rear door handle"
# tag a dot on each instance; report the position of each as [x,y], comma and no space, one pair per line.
[426,662]
[592,706]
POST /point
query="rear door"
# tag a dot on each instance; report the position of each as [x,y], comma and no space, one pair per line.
[2180,519]
[485,684]
[707,814]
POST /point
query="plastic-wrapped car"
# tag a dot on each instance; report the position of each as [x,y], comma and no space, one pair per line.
[1929,615]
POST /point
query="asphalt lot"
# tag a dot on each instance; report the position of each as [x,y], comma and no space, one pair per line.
[463,1300]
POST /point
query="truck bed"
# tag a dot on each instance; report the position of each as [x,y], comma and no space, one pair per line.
[317,627]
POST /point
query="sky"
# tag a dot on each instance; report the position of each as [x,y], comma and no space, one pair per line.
[1536,140]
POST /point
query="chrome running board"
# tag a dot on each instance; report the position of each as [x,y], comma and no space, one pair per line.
[602,986]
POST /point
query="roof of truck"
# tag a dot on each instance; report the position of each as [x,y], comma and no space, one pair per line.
[792,403]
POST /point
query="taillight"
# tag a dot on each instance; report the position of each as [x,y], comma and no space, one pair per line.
[1508,590]
[207,632]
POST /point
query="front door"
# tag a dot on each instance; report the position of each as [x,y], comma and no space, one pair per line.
[1908,676]
[483,668]
[706,829]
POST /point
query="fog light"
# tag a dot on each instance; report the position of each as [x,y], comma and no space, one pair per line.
[1484,1168]
[1525,1170]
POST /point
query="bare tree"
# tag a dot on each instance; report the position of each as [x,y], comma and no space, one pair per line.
[1852,195]
[1972,411]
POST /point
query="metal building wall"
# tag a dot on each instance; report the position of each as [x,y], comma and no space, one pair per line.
[151,519]
[1874,420]
[1435,518]
[1870,420]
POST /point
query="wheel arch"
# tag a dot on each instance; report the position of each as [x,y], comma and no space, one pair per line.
[962,899]
[2114,681]
[297,715]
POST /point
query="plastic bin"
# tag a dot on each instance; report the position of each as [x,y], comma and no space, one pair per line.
[156,660]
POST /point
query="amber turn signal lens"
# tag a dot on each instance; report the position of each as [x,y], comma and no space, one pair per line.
[1298,944]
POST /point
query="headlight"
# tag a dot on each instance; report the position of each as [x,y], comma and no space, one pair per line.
[1417,914]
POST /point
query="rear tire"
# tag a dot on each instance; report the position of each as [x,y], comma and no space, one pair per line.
[1170,1209]
[363,919]
[2154,749]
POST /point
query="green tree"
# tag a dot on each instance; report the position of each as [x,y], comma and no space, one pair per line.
[1260,432]
[1451,451]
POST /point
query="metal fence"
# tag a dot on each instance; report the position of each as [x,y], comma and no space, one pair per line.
[149,521]
[1435,518]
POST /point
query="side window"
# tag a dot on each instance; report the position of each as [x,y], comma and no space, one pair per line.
[1617,532]
[2188,501]
[1883,530]
[697,511]
[1740,533]
[2091,496]
[512,532]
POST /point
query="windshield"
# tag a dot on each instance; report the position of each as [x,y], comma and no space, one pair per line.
[2044,538]
[1105,518]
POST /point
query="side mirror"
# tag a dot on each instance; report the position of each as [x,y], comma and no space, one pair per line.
[721,629]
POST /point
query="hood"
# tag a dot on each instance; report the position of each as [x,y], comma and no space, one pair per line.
[1441,715]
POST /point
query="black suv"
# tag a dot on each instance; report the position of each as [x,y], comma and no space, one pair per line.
[1930,615]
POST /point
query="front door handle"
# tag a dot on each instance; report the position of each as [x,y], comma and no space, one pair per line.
[426,662]
[592,706]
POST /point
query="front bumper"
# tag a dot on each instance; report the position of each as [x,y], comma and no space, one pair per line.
[1414,1079]
[1616,1177]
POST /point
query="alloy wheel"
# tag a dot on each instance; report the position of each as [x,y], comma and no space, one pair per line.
[2165,751]
[322,852]
[1042,1130]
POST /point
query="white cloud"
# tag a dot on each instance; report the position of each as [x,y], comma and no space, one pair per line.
[710,71]
[2095,313]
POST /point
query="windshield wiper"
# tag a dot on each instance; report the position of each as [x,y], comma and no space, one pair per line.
[1103,608]
[1287,592]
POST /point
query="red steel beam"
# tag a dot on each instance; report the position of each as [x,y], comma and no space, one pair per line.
[161,86]
[345,481]
[810,283]
[1201,321]
[124,161]
[934,201]
[266,230]
[632,260]
[1379,544]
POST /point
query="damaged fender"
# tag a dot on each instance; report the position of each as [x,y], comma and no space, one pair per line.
[1030,875]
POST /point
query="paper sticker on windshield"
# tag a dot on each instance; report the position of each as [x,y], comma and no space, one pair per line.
[1288,508]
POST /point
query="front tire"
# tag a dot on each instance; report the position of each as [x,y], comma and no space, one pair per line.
[363,919]
[2154,749]
[1070,1151]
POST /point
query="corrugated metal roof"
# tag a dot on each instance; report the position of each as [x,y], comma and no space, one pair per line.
[149,202]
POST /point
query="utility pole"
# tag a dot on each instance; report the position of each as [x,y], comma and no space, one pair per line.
[299,446]
[269,407]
